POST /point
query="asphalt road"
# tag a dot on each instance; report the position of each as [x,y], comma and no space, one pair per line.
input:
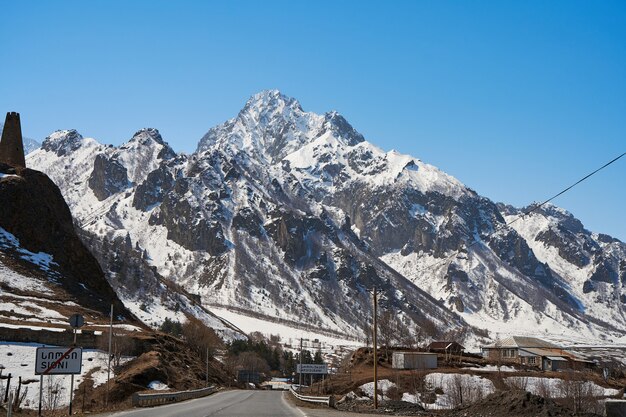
[223,404]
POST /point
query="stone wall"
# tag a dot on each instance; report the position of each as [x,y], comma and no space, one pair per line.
[45,337]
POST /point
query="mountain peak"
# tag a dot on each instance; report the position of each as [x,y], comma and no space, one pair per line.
[268,98]
[148,134]
[62,142]
[272,125]
[336,123]
[269,105]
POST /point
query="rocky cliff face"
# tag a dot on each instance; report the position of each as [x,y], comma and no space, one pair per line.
[294,215]
[33,211]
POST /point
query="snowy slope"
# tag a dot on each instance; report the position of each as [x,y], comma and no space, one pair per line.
[593,264]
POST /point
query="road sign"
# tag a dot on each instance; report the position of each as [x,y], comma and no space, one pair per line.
[312,368]
[76,320]
[58,361]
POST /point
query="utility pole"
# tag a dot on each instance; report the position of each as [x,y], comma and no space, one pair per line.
[106,400]
[72,377]
[300,373]
[374,328]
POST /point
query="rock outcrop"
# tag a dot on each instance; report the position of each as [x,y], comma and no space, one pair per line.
[34,211]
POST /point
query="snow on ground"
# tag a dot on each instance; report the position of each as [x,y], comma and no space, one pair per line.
[21,282]
[250,324]
[449,382]
[43,260]
[18,359]
[383,386]
[552,386]
[28,308]
[158,386]
[409,398]
[491,368]
[31,327]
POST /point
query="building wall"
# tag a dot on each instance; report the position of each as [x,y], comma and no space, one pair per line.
[410,360]
[500,355]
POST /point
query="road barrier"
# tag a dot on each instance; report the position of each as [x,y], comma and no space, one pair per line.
[329,401]
[146,400]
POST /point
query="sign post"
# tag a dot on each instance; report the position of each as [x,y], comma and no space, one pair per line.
[57,361]
[40,393]
[76,321]
[312,368]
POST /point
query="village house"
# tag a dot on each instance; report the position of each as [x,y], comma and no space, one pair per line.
[531,351]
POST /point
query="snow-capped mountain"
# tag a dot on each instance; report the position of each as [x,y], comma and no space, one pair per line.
[292,216]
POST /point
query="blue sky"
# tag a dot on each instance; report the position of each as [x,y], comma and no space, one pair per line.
[517,99]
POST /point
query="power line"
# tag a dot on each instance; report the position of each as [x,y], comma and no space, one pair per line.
[520,216]
[527,212]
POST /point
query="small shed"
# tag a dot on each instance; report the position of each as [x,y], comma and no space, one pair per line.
[555,363]
[414,360]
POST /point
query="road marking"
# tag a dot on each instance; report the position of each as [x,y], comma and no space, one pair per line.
[291,406]
[238,401]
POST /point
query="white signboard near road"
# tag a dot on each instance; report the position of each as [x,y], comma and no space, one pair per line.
[58,361]
[312,368]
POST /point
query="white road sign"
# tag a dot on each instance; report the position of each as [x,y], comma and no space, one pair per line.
[58,361]
[312,368]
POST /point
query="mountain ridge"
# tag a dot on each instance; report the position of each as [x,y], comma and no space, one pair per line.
[308,192]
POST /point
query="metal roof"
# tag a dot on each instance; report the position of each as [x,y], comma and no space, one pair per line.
[540,352]
[416,353]
[557,358]
[521,342]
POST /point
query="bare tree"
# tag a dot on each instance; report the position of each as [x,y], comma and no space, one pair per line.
[419,335]
[52,393]
[580,395]
[251,361]
[367,331]
[387,328]
[462,392]
[122,345]
[543,388]
[404,336]
[256,337]
[20,396]
[200,338]
[230,364]
[516,383]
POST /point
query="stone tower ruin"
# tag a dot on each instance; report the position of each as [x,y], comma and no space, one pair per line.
[11,145]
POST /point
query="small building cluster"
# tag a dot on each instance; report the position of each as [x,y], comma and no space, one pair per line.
[535,352]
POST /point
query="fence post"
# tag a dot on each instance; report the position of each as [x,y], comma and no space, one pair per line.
[10,405]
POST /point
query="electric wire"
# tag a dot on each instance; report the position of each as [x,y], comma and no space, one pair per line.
[527,212]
